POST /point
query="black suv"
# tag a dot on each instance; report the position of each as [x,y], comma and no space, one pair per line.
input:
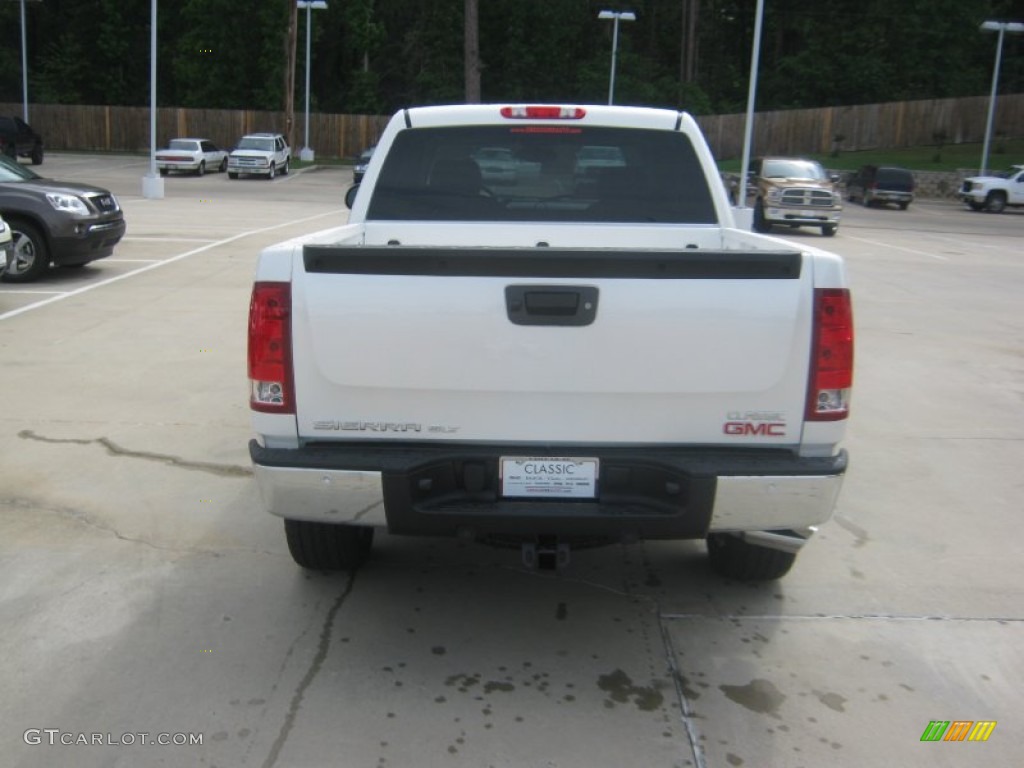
[881,184]
[19,140]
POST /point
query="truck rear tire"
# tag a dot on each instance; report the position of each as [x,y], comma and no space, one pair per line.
[328,546]
[829,230]
[734,558]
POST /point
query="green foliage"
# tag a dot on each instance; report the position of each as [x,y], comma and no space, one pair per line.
[379,55]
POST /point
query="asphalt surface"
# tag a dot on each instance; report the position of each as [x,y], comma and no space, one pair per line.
[145,596]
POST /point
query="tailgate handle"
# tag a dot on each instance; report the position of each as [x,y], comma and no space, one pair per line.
[551,304]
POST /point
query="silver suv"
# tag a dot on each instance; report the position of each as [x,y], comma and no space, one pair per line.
[260,154]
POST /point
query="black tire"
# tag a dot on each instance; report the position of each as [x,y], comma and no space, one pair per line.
[232,175]
[760,225]
[995,202]
[272,173]
[287,167]
[30,257]
[829,230]
[223,165]
[201,170]
[734,558]
[328,546]
[37,154]
[904,206]
[163,171]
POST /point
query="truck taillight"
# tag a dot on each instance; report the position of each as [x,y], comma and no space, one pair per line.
[270,349]
[828,395]
[543,112]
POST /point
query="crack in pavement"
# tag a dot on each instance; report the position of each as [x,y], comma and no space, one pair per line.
[221,470]
[307,680]
[31,505]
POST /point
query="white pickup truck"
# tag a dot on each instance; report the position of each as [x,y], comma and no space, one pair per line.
[583,353]
[996,192]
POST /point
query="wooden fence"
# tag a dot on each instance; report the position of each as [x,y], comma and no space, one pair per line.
[797,131]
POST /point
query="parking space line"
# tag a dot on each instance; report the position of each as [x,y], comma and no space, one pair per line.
[7,291]
[890,247]
[164,262]
[143,239]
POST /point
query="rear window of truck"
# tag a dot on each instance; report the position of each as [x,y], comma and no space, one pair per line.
[542,173]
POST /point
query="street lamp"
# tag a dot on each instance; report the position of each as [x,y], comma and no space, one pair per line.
[24,67]
[306,154]
[1002,27]
[748,130]
[616,16]
[152,182]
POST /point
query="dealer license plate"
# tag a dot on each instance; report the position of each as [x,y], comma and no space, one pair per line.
[546,477]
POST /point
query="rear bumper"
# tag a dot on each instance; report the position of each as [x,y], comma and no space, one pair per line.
[643,493]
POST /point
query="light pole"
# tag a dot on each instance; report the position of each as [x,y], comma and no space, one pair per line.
[24,67]
[616,16]
[748,130]
[1002,27]
[152,182]
[306,154]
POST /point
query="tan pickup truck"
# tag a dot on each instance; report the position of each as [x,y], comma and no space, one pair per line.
[794,192]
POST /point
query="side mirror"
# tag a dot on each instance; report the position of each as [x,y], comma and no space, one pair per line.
[350,196]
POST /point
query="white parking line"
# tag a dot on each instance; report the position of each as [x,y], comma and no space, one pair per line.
[41,293]
[158,264]
[888,246]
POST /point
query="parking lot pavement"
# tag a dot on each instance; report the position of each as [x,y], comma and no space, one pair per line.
[144,591]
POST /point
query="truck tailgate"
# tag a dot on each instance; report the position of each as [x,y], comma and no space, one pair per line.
[551,345]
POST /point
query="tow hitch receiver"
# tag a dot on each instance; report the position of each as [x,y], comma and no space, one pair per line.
[545,554]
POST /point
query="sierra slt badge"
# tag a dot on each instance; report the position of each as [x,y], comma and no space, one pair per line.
[383,426]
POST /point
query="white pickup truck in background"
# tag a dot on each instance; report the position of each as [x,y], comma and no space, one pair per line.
[572,345]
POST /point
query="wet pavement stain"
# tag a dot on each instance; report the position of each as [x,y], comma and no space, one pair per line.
[620,689]
[831,700]
[493,685]
[758,695]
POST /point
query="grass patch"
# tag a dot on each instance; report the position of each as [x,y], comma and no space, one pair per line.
[952,157]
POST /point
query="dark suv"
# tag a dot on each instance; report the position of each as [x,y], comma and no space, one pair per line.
[881,184]
[55,222]
[19,140]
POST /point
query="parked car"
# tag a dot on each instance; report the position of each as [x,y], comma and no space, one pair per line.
[191,156]
[19,140]
[55,222]
[5,245]
[873,184]
[794,192]
[260,154]
[498,165]
[994,193]
[361,164]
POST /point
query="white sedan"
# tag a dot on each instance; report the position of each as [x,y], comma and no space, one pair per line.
[191,155]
